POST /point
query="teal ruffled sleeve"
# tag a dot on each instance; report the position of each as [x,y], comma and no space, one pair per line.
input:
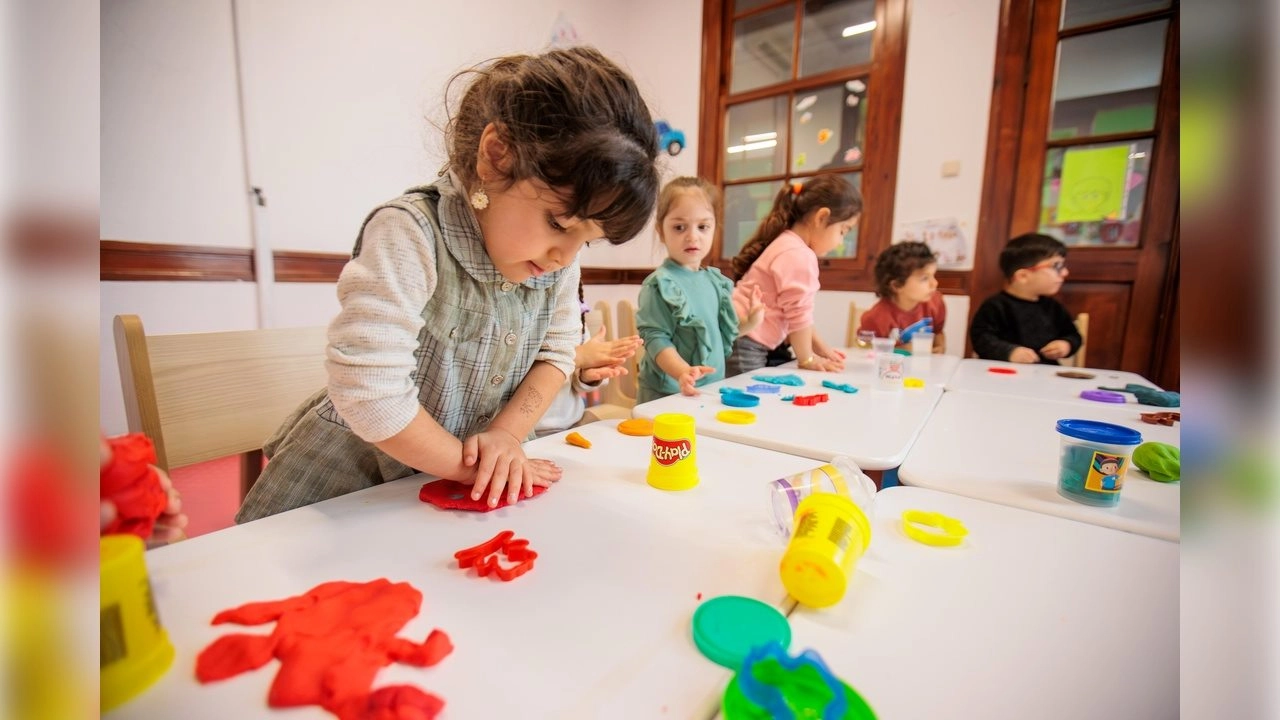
[728,319]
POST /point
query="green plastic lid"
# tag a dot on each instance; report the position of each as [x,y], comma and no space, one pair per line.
[726,628]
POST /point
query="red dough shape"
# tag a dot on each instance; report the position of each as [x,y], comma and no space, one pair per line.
[331,643]
[809,399]
[1002,371]
[453,495]
[485,559]
[132,484]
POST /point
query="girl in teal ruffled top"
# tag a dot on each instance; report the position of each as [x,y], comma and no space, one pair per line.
[686,315]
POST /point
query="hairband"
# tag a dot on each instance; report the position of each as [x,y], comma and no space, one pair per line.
[796,188]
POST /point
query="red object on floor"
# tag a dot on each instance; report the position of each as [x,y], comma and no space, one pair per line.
[331,641]
[130,481]
[484,558]
[453,495]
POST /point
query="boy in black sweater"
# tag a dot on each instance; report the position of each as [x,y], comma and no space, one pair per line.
[1024,324]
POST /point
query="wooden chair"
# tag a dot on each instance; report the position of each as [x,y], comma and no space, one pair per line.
[628,384]
[1082,326]
[612,396]
[597,317]
[855,320]
[202,396]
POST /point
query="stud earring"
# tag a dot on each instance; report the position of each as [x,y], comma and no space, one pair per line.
[480,199]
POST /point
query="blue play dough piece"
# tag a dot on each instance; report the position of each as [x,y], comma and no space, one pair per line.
[793,380]
[842,387]
[733,397]
[762,388]
[788,398]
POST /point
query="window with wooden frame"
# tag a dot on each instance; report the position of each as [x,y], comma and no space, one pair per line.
[1084,129]
[796,88]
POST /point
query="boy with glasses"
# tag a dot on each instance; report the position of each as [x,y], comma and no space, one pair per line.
[1024,324]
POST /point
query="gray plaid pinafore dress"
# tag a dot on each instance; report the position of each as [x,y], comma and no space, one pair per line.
[479,340]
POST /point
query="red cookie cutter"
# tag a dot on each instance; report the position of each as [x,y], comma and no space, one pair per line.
[484,557]
[810,399]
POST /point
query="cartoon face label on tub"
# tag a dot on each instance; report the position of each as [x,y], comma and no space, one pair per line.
[1106,473]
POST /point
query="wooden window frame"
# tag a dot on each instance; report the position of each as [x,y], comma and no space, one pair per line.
[1021,107]
[879,166]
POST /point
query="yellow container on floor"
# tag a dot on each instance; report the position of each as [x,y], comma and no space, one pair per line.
[135,649]
[831,533]
[673,457]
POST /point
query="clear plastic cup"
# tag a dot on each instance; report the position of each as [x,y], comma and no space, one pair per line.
[841,476]
[890,366]
[922,344]
[1093,460]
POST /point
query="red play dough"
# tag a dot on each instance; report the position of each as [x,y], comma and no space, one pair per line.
[331,642]
[130,482]
[453,495]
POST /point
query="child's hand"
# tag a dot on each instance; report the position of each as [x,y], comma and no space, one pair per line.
[598,352]
[823,364]
[170,525]
[689,378]
[1023,355]
[592,376]
[1055,349]
[501,464]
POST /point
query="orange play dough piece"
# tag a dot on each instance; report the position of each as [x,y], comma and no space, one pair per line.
[639,427]
[577,440]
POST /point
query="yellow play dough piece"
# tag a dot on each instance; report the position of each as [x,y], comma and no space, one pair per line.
[574,438]
[736,417]
[639,427]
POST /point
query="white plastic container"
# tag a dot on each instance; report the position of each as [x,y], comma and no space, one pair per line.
[841,476]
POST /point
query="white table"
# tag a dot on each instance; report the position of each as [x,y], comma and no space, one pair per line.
[1042,382]
[605,613]
[874,427]
[1005,448]
[1033,617]
[861,365]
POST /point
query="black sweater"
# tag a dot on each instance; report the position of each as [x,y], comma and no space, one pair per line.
[1005,322]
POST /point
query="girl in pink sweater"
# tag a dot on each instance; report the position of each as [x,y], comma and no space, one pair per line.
[807,221]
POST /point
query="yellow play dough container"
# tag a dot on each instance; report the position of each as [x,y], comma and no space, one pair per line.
[831,533]
[135,649]
[673,457]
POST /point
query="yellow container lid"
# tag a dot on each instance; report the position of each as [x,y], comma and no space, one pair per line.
[812,577]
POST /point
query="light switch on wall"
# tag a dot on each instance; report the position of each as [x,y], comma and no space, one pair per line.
[951,168]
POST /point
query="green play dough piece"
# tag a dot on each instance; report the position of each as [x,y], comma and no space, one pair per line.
[726,628]
[1161,461]
[807,693]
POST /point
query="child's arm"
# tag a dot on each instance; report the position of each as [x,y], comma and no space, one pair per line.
[684,373]
[754,314]
[807,357]
[939,343]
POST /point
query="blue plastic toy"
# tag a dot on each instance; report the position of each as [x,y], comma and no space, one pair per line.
[793,380]
[923,324]
[770,697]
[669,138]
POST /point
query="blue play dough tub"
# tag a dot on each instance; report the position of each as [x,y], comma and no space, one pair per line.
[1093,460]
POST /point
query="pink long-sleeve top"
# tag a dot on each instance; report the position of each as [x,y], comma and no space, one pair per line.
[787,275]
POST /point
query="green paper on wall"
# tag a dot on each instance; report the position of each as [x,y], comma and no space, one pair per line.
[1092,186]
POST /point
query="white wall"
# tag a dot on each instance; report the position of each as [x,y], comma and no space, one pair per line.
[337,98]
[951,49]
